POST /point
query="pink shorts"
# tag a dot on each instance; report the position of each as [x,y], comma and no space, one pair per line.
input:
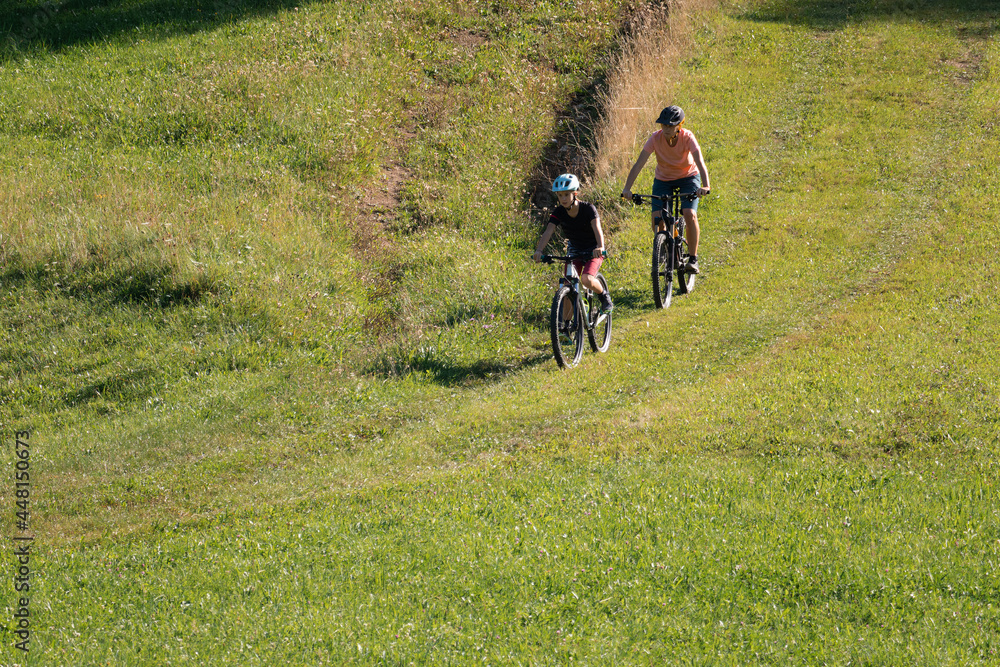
[590,267]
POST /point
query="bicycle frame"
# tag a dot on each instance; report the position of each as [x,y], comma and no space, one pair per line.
[669,248]
[671,215]
[576,312]
[581,293]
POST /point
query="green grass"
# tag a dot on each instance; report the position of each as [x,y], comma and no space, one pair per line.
[686,560]
[244,453]
[187,237]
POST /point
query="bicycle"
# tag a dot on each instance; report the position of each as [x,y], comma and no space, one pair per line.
[669,256]
[572,299]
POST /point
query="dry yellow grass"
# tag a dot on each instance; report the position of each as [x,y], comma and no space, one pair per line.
[642,83]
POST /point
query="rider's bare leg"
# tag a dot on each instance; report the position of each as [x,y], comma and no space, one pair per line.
[592,283]
[657,222]
[692,231]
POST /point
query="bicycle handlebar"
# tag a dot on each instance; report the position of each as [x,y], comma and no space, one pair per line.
[548,259]
[637,198]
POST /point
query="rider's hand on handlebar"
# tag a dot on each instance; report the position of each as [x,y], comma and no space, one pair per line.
[537,257]
[627,193]
[703,191]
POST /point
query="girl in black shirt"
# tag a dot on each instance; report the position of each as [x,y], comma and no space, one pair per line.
[581,226]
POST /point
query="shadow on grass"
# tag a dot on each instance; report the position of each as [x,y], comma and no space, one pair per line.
[53,25]
[126,386]
[831,15]
[451,373]
[640,301]
[571,151]
[633,300]
[151,286]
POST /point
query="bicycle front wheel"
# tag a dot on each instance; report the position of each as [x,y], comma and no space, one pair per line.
[662,271]
[600,333]
[685,280]
[566,326]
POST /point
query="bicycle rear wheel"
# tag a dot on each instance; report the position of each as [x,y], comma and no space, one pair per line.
[599,334]
[662,271]
[567,334]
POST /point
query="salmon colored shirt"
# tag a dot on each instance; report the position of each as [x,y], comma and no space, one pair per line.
[673,162]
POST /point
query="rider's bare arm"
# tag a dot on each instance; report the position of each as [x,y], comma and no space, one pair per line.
[595,224]
[699,161]
[634,172]
[543,241]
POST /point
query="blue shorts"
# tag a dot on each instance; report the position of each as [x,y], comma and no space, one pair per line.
[686,186]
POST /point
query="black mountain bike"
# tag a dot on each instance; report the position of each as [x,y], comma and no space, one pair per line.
[669,250]
[576,309]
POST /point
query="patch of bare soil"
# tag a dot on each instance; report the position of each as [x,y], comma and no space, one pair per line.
[382,199]
[381,269]
[378,205]
[467,39]
[963,71]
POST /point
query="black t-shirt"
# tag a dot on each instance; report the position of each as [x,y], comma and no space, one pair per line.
[578,231]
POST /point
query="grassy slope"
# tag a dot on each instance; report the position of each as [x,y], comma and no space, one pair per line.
[826,494]
[194,279]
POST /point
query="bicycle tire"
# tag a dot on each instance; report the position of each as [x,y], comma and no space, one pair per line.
[567,341]
[600,333]
[685,280]
[662,271]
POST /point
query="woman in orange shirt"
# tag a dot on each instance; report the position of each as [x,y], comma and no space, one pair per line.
[679,166]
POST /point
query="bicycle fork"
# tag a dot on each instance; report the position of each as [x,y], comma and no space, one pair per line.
[573,302]
[580,298]
[677,245]
[583,298]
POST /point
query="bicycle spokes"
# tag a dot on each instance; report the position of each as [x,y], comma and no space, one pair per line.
[567,332]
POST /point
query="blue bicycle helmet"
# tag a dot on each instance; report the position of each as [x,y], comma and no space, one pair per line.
[566,183]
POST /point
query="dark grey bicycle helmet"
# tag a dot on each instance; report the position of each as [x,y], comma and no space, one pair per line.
[672,115]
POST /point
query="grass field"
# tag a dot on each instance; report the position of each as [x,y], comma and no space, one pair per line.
[284,407]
